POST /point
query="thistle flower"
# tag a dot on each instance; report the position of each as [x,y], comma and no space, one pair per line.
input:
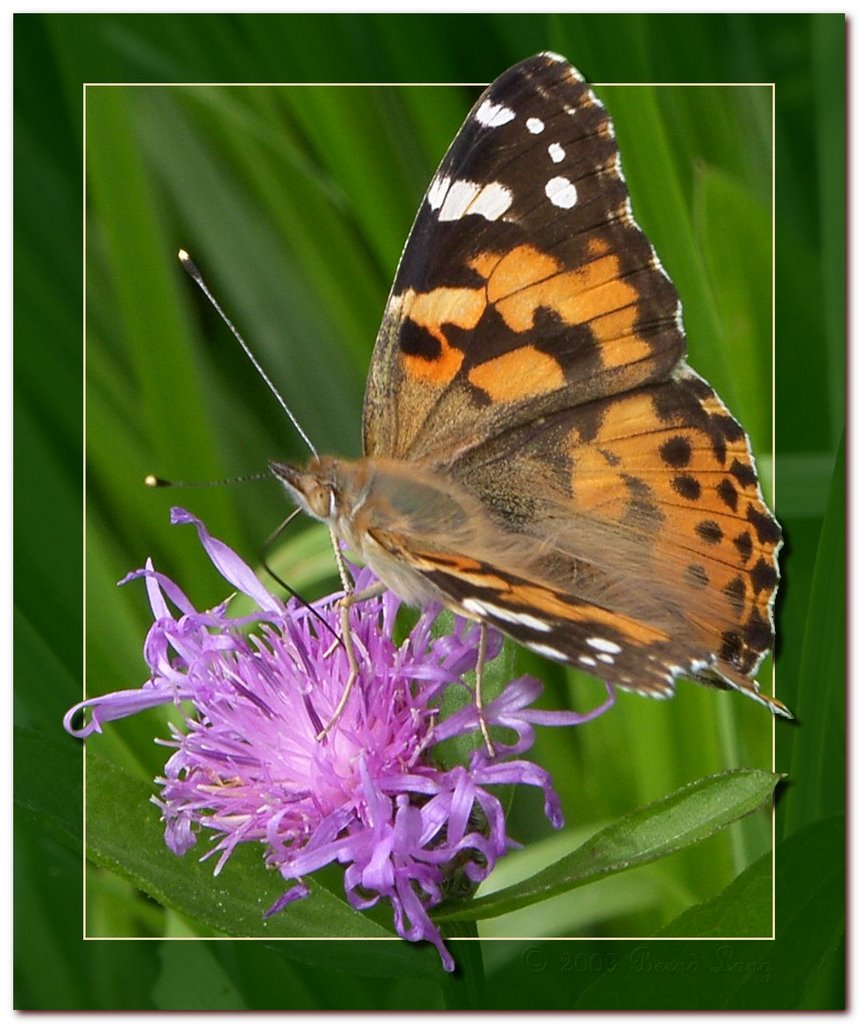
[372,794]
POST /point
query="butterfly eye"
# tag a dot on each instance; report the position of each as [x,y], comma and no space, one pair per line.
[322,501]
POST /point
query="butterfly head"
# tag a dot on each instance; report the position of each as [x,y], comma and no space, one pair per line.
[314,488]
[326,488]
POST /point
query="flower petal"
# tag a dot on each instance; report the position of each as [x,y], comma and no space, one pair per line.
[229,565]
[119,704]
[297,892]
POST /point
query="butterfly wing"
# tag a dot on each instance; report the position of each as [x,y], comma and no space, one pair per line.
[532,352]
[646,504]
[525,286]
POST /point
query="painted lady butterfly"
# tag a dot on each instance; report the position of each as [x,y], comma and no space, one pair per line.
[538,455]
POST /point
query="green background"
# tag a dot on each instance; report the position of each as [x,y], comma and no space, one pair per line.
[295,203]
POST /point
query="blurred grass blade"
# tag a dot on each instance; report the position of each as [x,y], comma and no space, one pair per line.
[192,979]
[679,820]
[817,756]
[53,811]
[465,988]
[730,218]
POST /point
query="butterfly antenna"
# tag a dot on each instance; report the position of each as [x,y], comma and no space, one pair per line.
[191,267]
[301,600]
[150,480]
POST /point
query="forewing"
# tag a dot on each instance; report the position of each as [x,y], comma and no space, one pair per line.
[525,286]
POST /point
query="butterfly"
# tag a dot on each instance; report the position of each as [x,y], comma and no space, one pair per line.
[538,455]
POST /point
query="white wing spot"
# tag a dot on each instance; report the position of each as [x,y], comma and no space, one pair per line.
[474,606]
[484,608]
[437,191]
[457,200]
[606,658]
[547,651]
[586,659]
[557,153]
[561,192]
[464,197]
[493,201]
[534,125]
[493,115]
[606,646]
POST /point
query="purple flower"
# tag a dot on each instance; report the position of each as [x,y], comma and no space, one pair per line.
[372,793]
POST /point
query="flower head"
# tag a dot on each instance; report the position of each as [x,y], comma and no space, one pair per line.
[371,793]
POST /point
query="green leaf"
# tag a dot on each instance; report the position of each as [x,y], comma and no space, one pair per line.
[747,974]
[743,909]
[679,820]
[127,838]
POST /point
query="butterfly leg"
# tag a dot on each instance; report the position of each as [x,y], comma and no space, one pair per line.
[349,588]
[346,602]
[349,648]
[478,689]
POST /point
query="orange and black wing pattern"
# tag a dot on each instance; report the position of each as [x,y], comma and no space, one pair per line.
[645,506]
[526,285]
